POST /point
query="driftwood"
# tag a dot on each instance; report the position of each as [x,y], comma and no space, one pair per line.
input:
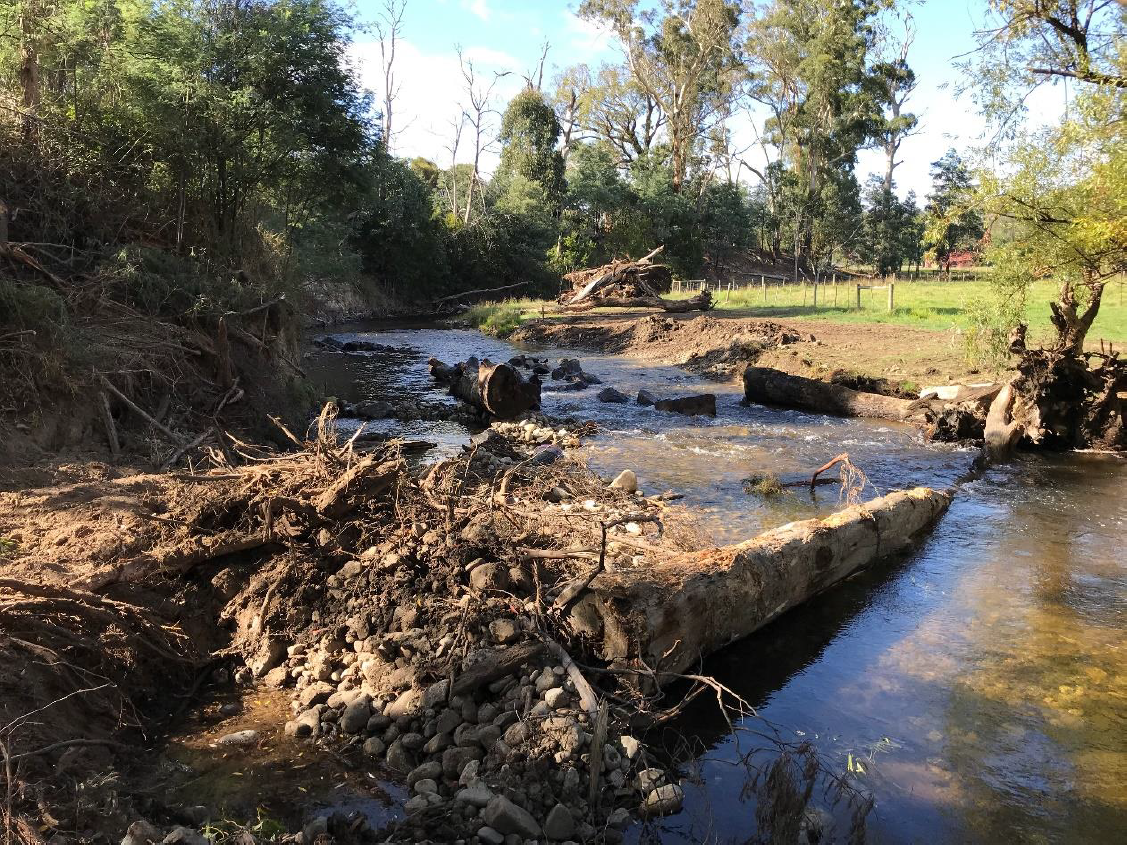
[628,284]
[461,296]
[702,302]
[365,477]
[776,388]
[494,665]
[498,389]
[684,606]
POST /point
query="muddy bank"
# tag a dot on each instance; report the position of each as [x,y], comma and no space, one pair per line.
[703,344]
[887,359]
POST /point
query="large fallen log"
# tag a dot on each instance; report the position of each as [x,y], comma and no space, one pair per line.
[673,612]
[498,389]
[776,388]
[702,302]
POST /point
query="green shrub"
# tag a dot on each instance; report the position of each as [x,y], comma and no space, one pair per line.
[497,319]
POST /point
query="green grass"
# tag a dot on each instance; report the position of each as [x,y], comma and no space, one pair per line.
[497,319]
[926,304]
[933,305]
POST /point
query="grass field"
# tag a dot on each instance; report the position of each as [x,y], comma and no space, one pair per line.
[925,305]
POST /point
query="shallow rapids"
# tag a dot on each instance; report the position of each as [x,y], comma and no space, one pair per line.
[978,689]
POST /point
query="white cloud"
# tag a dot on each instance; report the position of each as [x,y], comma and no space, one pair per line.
[490,59]
[431,94]
[479,8]
[586,39]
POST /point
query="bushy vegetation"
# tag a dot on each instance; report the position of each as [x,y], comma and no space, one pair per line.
[497,319]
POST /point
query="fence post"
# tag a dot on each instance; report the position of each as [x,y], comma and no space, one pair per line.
[891,297]
[763,283]
[728,296]
[815,292]
[835,290]
[858,295]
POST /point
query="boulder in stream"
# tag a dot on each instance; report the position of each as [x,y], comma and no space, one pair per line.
[693,404]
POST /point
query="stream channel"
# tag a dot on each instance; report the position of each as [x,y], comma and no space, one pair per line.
[977,688]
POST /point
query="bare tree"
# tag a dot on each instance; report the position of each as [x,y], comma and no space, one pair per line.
[477,115]
[534,79]
[389,26]
[457,124]
[899,82]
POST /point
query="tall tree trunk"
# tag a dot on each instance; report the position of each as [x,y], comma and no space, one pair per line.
[29,67]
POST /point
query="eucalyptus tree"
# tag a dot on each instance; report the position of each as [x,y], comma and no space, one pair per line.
[683,59]
[809,64]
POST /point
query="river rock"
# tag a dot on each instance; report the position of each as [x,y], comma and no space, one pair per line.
[314,693]
[405,705]
[612,395]
[560,824]
[489,835]
[547,455]
[489,576]
[618,819]
[649,779]
[184,835]
[508,818]
[663,800]
[555,698]
[630,746]
[435,695]
[439,742]
[456,758]
[627,481]
[399,758]
[374,747]
[567,367]
[356,715]
[269,656]
[427,770]
[448,721]
[645,398]
[425,786]
[373,410]
[315,829]
[242,738]
[695,404]
[478,795]
[142,832]
[279,677]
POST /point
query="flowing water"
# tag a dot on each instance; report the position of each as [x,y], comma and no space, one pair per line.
[978,688]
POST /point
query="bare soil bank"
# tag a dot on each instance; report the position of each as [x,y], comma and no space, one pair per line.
[885,357]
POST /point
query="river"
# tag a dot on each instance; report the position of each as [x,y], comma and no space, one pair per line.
[977,689]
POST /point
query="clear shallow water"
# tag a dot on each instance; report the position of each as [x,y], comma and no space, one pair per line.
[982,681]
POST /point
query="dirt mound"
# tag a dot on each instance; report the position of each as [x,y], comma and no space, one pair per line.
[704,344]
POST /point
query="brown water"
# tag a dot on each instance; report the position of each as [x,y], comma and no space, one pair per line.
[981,683]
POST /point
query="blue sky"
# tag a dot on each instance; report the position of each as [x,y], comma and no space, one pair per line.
[506,35]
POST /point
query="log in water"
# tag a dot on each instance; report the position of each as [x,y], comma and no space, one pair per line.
[776,388]
[674,612]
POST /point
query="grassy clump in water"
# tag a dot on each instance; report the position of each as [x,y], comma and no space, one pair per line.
[766,485]
[497,319]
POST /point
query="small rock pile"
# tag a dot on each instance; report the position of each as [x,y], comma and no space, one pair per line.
[536,430]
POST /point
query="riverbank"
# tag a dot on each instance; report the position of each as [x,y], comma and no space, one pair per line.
[894,360]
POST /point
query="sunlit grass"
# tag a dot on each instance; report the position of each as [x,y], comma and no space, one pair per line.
[925,304]
[497,319]
[937,305]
